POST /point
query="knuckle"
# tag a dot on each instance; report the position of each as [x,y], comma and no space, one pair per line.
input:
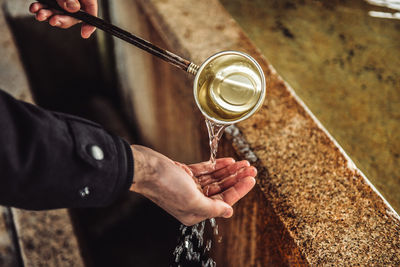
[41,12]
[53,21]
[32,7]
[66,25]
[54,18]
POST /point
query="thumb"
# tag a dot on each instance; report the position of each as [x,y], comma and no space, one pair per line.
[218,208]
[69,5]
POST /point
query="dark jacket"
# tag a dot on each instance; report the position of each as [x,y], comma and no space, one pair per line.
[51,160]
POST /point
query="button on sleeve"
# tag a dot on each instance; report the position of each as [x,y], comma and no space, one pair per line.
[105,158]
[96,152]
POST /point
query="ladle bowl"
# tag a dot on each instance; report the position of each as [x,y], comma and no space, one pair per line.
[229,87]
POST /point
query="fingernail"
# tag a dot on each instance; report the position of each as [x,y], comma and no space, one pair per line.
[71,4]
[227,214]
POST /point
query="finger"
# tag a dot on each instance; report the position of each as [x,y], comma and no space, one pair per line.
[230,181]
[62,21]
[35,7]
[87,30]
[209,179]
[236,192]
[43,14]
[205,208]
[231,169]
[216,208]
[223,172]
[91,7]
[69,5]
[208,167]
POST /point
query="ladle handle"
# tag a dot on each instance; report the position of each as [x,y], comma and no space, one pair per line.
[171,58]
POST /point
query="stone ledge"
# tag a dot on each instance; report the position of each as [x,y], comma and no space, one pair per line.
[47,238]
[12,74]
[329,210]
[8,250]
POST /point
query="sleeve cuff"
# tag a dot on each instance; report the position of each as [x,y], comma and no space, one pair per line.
[107,164]
[126,167]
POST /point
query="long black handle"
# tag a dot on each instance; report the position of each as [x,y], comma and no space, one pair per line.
[124,35]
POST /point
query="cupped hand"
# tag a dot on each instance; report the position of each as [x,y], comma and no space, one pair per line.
[191,193]
[56,19]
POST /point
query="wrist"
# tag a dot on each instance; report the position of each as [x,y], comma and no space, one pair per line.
[144,168]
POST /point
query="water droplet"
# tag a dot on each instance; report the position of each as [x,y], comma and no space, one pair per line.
[187,244]
[193,246]
[207,191]
[213,222]
[208,246]
[216,230]
[209,263]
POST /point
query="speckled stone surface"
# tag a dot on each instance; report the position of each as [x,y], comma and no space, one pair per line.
[8,250]
[47,238]
[12,74]
[327,212]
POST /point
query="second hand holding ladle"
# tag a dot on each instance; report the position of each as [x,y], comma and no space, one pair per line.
[229,86]
[83,16]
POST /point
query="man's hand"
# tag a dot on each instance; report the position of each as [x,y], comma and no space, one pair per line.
[191,193]
[62,21]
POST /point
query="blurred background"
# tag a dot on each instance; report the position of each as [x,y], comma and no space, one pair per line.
[341,57]
[76,76]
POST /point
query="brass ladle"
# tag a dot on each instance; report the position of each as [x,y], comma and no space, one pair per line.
[229,86]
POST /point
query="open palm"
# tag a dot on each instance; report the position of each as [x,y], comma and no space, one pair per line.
[228,181]
[191,193]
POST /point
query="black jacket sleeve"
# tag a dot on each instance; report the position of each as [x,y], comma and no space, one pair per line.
[51,160]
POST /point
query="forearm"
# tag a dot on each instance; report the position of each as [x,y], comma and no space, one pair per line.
[52,160]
